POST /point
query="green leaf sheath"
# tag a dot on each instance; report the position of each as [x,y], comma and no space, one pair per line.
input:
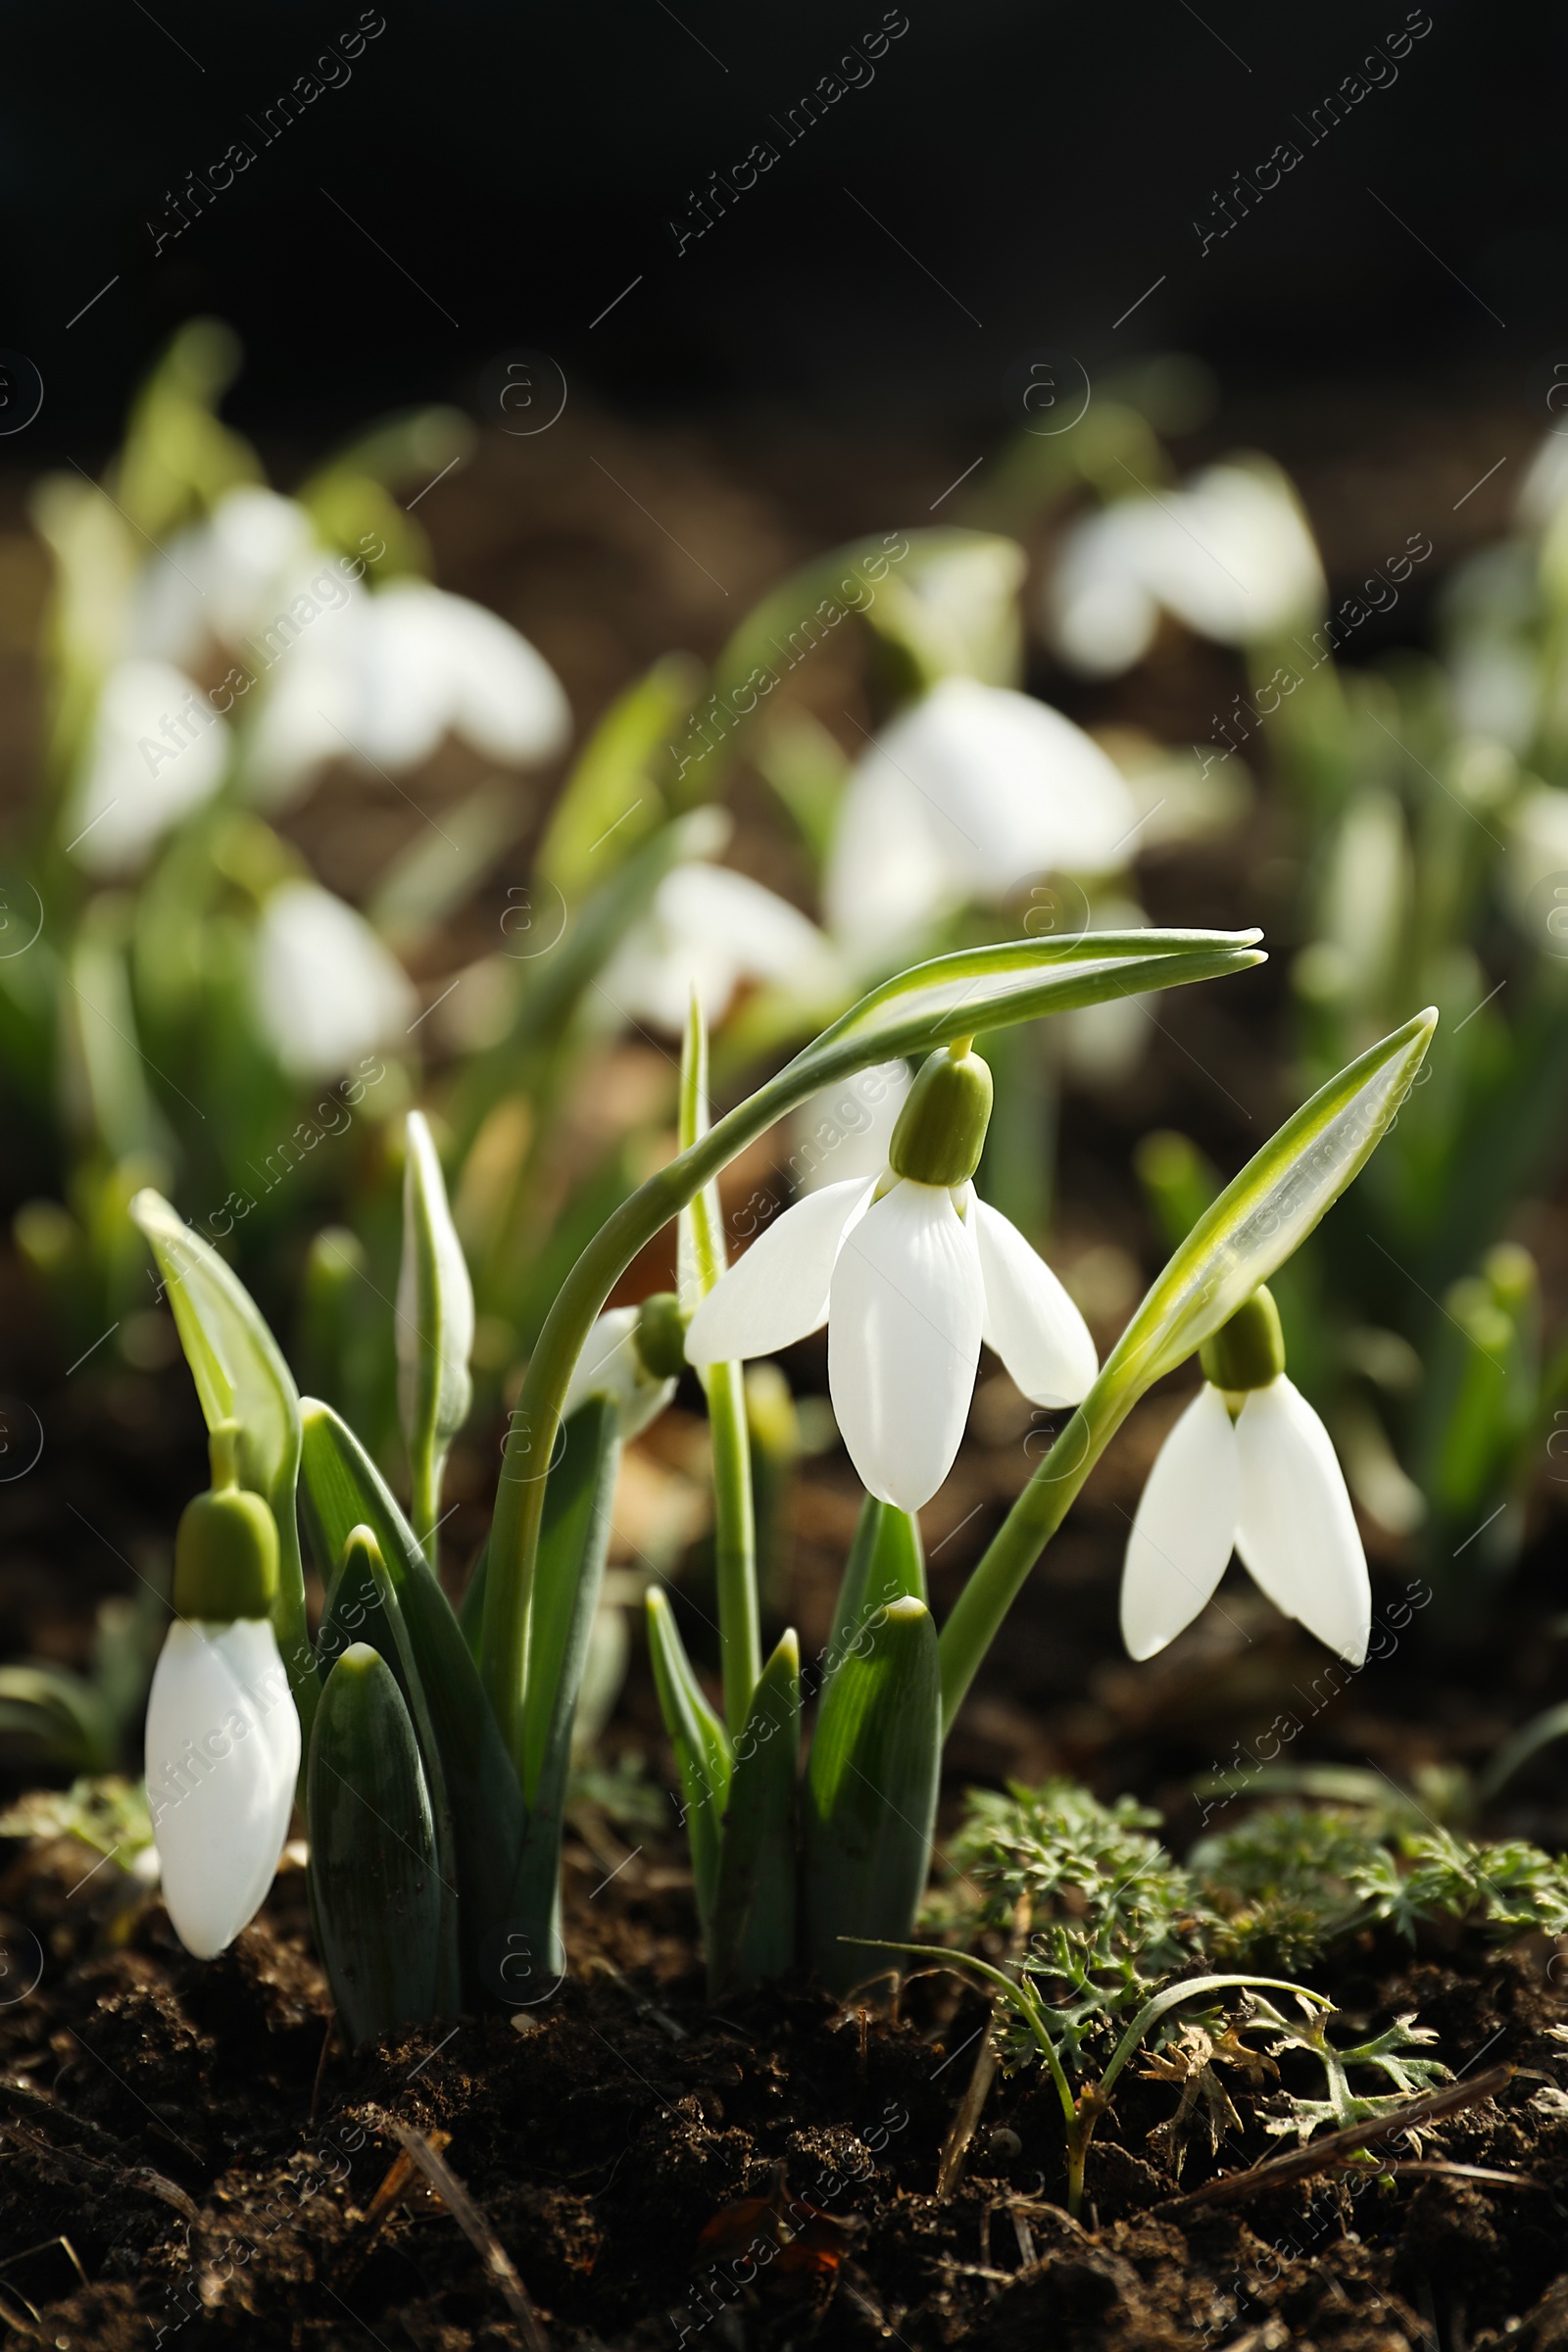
[572,1546]
[347,1491]
[701,1745]
[955,996]
[886,1560]
[375,1892]
[362,1606]
[240,1376]
[751,1933]
[1262,1216]
[870,1794]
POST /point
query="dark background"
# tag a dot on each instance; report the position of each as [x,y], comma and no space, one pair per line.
[1046,165]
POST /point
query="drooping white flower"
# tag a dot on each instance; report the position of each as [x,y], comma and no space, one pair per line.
[223,1757]
[964,795]
[222,1737]
[325,989]
[1265,1483]
[611,1366]
[226,577]
[909,1274]
[385,677]
[157,751]
[709,929]
[1229,555]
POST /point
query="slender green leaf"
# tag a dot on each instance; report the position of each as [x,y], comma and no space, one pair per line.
[347,1491]
[1267,1212]
[434,1328]
[701,1745]
[871,1794]
[750,1935]
[375,1892]
[240,1376]
[609,799]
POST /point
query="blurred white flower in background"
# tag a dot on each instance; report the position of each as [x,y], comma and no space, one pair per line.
[711,929]
[962,796]
[961,607]
[325,989]
[226,577]
[156,750]
[386,677]
[1231,556]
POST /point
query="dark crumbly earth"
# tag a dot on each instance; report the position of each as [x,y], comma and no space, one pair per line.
[178,2154]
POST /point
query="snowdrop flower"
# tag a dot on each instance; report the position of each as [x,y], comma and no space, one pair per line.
[1231,556]
[962,605]
[385,677]
[1249,1466]
[325,989]
[962,796]
[632,1356]
[910,1271]
[709,929]
[226,577]
[157,751]
[222,1738]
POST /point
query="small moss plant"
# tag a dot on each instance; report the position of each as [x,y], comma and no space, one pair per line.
[1112,1920]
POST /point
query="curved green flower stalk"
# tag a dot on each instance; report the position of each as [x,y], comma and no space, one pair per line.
[954,995]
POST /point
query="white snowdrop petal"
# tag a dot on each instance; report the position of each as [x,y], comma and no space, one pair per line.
[1029,1319]
[1296,1529]
[325,989]
[1185,1526]
[779,1291]
[904,1340]
[223,1756]
[157,751]
[886,875]
[1009,786]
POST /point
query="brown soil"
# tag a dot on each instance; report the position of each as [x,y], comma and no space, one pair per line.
[178,2153]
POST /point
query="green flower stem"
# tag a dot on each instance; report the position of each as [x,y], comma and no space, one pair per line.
[424,1499]
[734,1543]
[977,1614]
[870,1032]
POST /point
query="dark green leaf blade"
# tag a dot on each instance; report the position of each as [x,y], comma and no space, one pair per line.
[375,1892]
[750,1935]
[871,1794]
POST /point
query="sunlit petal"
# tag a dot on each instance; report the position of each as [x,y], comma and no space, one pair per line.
[1296,1529]
[904,1340]
[223,1755]
[779,1291]
[1184,1529]
[1029,1319]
